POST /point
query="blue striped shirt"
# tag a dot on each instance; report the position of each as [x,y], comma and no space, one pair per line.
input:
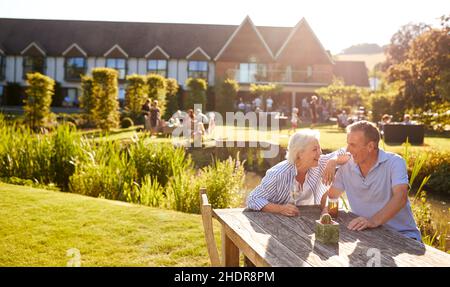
[275,186]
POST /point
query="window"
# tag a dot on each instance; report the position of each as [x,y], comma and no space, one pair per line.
[119,64]
[70,97]
[1,95]
[2,67]
[252,72]
[157,67]
[33,64]
[198,69]
[74,68]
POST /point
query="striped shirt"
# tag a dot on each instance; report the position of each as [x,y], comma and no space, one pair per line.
[275,186]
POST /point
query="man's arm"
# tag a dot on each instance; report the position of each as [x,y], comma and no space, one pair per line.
[394,205]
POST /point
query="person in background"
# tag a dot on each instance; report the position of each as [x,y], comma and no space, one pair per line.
[269,104]
[146,114]
[313,109]
[294,120]
[407,120]
[155,118]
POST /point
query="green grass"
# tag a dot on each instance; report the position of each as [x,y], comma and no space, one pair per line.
[331,138]
[38,226]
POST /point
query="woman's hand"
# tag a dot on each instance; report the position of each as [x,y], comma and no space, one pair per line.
[329,171]
[289,210]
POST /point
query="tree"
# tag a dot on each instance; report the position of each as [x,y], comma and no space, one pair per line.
[196,92]
[105,93]
[264,91]
[157,90]
[425,69]
[226,93]
[400,42]
[171,97]
[87,102]
[135,96]
[347,96]
[39,94]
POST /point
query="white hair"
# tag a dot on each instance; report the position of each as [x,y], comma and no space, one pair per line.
[299,141]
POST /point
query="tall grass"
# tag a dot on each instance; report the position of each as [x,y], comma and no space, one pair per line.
[144,173]
[433,233]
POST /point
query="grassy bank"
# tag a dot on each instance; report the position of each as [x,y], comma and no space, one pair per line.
[38,227]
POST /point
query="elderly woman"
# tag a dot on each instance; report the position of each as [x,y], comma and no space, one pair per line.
[301,179]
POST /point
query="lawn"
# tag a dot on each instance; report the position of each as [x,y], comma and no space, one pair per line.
[331,138]
[38,227]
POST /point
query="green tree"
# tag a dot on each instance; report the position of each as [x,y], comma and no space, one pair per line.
[171,97]
[425,69]
[157,90]
[39,94]
[105,92]
[344,96]
[135,96]
[196,92]
[87,102]
[226,94]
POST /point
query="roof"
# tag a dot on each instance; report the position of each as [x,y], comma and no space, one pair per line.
[352,72]
[136,39]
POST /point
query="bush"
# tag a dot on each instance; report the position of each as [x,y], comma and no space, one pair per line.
[38,99]
[87,101]
[437,165]
[135,95]
[157,90]
[172,89]
[105,93]
[226,93]
[126,123]
[196,93]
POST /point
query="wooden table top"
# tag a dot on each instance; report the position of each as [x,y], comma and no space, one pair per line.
[274,240]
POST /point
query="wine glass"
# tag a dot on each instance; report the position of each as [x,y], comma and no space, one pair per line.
[294,193]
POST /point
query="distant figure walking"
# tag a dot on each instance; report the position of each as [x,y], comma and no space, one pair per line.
[146,114]
[294,120]
[155,118]
[313,109]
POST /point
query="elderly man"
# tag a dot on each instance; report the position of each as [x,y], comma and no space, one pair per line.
[376,184]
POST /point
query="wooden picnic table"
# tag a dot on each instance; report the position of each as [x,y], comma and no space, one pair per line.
[268,239]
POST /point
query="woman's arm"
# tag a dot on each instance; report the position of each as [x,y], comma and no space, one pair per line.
[286,209]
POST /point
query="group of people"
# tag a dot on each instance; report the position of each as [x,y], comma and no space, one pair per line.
[152,116]
[256,105]
[375,181]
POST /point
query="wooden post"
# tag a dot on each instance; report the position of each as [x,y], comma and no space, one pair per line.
[230,252]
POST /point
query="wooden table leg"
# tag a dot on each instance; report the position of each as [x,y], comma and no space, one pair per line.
[230,252]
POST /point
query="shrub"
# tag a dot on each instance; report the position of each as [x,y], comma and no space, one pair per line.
[437,165]
[196,93]
[87,103]
[172,100]
[126,123]
[105,93]
[38,99]
[157,90]
[226,95]
[135,95]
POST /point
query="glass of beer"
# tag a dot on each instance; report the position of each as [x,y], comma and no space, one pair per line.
[333,207]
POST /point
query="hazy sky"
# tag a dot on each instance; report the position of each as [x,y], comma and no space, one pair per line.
[337,23]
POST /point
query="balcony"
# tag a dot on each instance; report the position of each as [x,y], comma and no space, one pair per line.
[301,77]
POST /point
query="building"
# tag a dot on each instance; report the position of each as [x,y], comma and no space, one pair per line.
[64,49]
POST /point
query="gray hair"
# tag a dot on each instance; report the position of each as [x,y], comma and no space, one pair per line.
[299,141]
[370,131]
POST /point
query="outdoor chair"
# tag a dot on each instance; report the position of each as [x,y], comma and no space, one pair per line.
[206,211]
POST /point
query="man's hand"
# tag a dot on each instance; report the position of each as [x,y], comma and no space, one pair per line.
[289,210]
[361,223]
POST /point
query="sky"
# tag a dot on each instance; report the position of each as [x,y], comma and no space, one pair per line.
[338,24]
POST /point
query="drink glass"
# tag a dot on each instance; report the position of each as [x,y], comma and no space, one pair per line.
[333,207]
